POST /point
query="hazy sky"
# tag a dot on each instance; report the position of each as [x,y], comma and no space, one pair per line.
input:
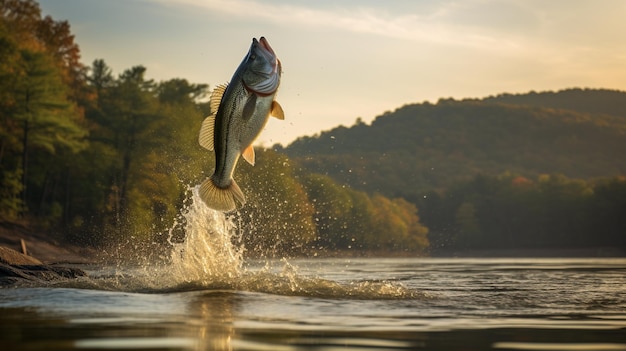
[348,59]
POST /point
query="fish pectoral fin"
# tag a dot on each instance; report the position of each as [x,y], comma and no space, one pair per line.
[206,133]
[249,107]
[277,110]
[248,154]
[216,97]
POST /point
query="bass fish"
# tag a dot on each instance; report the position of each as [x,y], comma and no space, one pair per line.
[240,110]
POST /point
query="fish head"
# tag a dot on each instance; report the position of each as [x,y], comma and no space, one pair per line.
[262,69]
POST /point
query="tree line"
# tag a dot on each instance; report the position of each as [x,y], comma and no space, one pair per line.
[311,213]
[514,212]
[428,146]
[455,159]
[102,158]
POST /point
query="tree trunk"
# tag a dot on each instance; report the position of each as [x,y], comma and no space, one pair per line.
[25,162]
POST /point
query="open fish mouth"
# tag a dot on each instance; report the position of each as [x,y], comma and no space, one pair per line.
[263,47]
[266,45]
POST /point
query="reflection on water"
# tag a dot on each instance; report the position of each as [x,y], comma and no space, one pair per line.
[181,322]
[463,305]
[216,316]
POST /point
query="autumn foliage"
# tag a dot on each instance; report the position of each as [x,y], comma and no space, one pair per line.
[101,158]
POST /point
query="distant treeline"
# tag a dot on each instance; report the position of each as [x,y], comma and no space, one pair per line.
[587,101]
[102,158]
[448,158]
[513,212]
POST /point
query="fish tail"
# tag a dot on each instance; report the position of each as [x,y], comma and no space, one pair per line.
[221,199]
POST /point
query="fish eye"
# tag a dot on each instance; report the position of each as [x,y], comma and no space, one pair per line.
[252,56]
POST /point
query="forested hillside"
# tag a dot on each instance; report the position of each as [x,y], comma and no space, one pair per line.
[593,101]
[537,170]
[433,146]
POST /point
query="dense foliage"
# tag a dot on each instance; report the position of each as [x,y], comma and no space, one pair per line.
[104,158]
[292,211]
[513,212]
[434,146]
[591,101]
[42,126]
[443,157]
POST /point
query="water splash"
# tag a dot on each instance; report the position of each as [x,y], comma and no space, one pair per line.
[208,253]
[206,258]
[209,258]
[290,282]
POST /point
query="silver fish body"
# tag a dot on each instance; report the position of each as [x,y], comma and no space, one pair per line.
[242,110]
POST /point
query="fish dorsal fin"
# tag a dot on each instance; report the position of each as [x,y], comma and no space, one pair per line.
[277,110]
[206,133]
[248,154]
[208,125]
[216,97]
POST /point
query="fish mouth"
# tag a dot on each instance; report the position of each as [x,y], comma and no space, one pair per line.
[266,45]
[267,70]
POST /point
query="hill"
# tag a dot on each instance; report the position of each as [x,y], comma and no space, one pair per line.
[593,101]
[423,147]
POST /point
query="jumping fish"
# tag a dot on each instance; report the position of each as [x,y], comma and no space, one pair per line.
[240,110]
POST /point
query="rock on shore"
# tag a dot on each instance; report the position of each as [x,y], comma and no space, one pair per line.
[16,267]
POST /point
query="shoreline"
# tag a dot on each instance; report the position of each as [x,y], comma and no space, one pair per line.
[590,252]
[50,250]
[42,246]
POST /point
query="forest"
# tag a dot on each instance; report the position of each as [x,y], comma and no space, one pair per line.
[526,171]
[103,159]
[433,146]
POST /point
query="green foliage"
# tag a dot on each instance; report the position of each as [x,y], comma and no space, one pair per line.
[589,101]
[41,126]
[11,186]
[108,158]
[514,212]
[146,135]
[11,205]
[49,119]
[333,206]
[277,218]
[290,212]
[349,219]
[130,177]
[394,226]
[422,147]
[455,160]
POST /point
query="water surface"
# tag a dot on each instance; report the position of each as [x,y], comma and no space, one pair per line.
[329,304]
[208,298]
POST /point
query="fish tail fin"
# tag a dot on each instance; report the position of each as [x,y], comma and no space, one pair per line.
[221,199]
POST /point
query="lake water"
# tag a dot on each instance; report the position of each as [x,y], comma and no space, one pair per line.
[332,304]
[208,298]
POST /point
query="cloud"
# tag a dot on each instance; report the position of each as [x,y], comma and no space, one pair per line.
[518,39]
[432,27]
